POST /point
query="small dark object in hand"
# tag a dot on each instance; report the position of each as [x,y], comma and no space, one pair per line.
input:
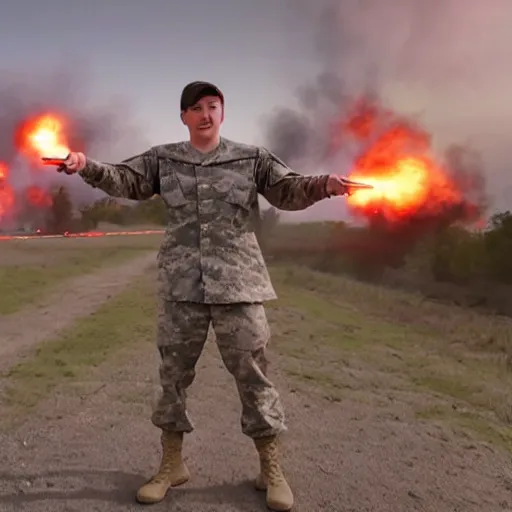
[59,162]
[355,185]
[53,161]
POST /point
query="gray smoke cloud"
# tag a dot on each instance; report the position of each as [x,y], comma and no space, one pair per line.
[108,128]
[443,62]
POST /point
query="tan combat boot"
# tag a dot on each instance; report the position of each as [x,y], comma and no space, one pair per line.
[172,472]
[271,477]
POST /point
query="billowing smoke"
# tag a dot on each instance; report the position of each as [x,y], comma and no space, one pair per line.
[106,130]
[387,54]
[441,61]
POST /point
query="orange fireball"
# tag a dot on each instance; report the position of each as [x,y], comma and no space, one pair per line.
[405,186]
[43,136]
[399,163]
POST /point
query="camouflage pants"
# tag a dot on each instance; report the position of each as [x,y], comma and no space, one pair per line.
[242,334]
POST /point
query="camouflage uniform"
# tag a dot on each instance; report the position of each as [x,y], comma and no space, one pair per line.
[210,265]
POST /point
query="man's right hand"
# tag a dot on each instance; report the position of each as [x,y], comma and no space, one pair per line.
[74,162]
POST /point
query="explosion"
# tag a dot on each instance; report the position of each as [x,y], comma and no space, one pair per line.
[35,137]
[409,184]
[6,192]
[45,114]
[43,136]
[417,192]
[414,192]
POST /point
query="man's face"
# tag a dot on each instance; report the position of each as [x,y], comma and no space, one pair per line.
[203,119]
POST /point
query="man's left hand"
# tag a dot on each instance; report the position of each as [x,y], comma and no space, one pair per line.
[336,186]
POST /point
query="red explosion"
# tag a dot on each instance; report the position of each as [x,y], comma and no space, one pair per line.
[43,136]
[38,136]
[398,161]
[415,193]
[6,191]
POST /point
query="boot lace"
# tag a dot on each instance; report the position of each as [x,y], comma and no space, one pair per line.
[171,449]
[270,465]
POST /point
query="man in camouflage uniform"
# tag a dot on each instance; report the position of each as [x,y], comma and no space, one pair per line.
[211,270]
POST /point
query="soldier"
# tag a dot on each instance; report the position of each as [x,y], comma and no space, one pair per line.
[211,270]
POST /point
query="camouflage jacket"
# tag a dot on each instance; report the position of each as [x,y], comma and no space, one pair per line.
[210,253]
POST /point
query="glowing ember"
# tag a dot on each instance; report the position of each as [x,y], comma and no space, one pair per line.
[43,136]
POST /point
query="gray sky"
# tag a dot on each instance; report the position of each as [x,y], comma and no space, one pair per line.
[147,51]
[448,60]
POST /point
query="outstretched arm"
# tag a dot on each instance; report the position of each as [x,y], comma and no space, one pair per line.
[134,178]
[286,189]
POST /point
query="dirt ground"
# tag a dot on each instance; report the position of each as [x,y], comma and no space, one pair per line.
[88,450]
[73,299]
[90,444]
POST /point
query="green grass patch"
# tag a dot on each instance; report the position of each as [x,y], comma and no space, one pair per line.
[127,319]
[469,423]
[477,331]
[458,387]
[338,324]
[22,285]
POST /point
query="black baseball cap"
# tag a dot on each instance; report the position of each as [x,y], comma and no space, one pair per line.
[194,91]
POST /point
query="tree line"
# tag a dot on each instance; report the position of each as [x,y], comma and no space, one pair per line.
[452,258]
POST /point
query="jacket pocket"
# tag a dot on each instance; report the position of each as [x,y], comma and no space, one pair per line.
[171,191]
[237,193]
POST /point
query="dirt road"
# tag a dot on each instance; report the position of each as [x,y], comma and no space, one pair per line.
[89,446]
[73,299]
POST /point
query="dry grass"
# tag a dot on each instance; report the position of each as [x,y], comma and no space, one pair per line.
[29,268]
[122,322]
[455,325]
[45,251]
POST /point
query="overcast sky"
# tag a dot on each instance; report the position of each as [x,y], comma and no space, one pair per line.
[448,60]
[146,51]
